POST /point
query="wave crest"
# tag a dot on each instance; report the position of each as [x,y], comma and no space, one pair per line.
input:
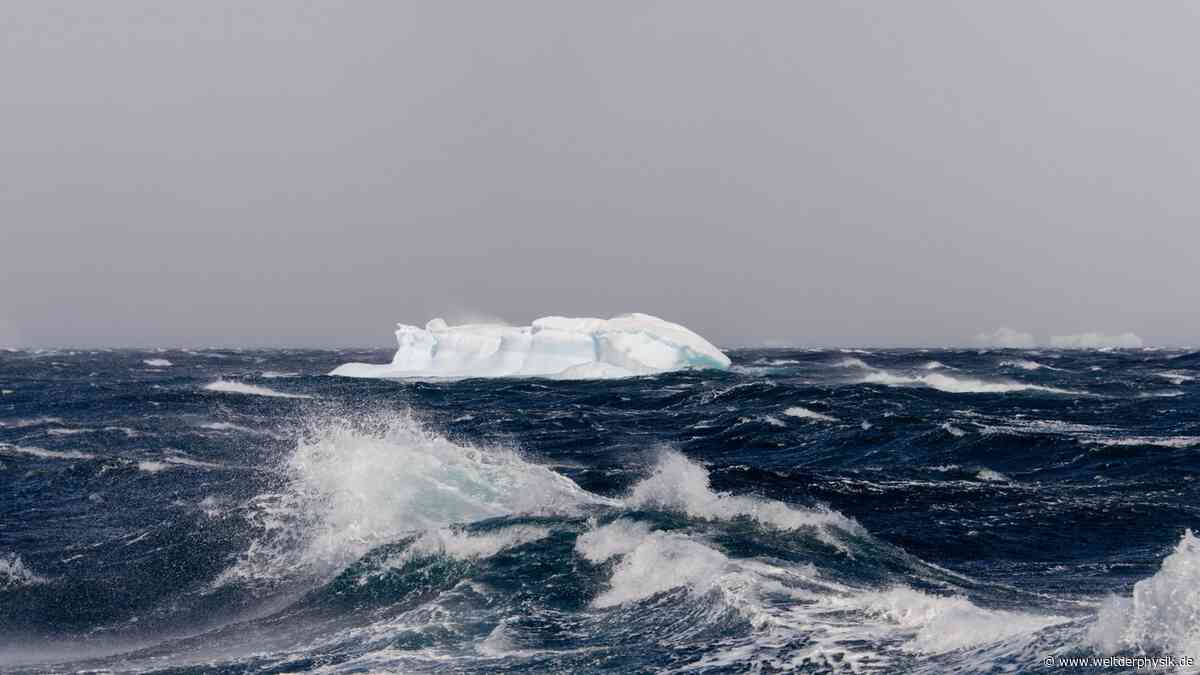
[15,574]
[1163,613]
[356,484]
[679,484]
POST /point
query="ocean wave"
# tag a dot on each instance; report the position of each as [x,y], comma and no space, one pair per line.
[234,387]
[354,484]
[953,430]
[1160,441]
[44,453]
[278,374]
[173,461]
[937,624]
[991,476]
[1027,364]
[1090,434]
[232,428]
[228,426]
[1172,393]
[947,383]
[1161,614]
[1020,426]
[651,562]
[67,431]
[456,544]
[798,617]
[1176,378]
[14,573]
[158,363]
[956,385]
[679,484]
[805,413]
[29,422]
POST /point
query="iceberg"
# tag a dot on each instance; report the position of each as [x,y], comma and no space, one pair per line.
[553,346]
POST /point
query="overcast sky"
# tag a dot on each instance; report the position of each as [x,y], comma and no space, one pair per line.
[867,173]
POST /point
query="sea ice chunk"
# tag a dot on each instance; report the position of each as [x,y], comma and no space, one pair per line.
[553,346]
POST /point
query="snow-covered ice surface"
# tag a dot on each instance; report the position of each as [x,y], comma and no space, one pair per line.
[553,346]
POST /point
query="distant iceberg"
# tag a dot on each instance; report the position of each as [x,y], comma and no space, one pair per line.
[554,346]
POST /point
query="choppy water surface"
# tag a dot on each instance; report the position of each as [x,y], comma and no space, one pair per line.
[827,511]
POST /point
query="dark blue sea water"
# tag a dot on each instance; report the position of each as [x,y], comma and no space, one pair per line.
[820,511]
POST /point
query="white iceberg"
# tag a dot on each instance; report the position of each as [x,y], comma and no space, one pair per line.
[554,346]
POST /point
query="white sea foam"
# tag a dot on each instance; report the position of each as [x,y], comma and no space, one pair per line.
[158,363]
[29,422]
[129,433]
[616,538]
[174,460]
[15,574]
[44,453]
[276,374]
[1176,378]
[805,413]
[651,562]
[852,363]
[228,426]
[466,546]
[953,430]
[1019,426]
[152,466]
[934,365]
[1161,394]
[991,476]
[355,486]
[799,619]
[939,624]
[957,385]
[1160,441]
[1163,614]
[1026,364]
[233,387]
[67,431]
[1085,433]
[678,484]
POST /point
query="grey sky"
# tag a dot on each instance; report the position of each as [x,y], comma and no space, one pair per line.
[803,172]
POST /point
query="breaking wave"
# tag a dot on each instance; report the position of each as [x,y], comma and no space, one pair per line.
[14,573]
[375,502]
[1163,614]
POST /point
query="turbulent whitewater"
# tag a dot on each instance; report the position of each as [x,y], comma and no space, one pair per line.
[812,511]
[553,346]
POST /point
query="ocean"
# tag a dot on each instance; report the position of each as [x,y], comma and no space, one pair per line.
[868,511]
